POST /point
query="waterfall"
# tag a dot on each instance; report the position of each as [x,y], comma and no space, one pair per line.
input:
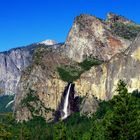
[66,103]
[9,103]
[12,101]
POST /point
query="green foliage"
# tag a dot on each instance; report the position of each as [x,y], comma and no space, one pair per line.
[136,93]
[122,121]
[127,31]
[4,134]
[6,120]
[89,62]
[104,107]
[30,97]
[97,131]
[70,73]
[60,131]
[39,54]
[116,119]
[33,103]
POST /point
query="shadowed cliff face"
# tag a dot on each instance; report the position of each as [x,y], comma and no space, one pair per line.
[11,64]
[102,80]
[73,105]
[90,36]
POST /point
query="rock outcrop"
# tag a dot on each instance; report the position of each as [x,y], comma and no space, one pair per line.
[101,81]
[89,105]
[112,18]
[41,77]
[90,36]
[11,64]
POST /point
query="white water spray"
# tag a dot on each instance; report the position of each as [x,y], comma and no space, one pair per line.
[66,103]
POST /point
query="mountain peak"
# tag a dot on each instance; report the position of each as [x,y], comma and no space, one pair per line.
[48,42]
[112,17]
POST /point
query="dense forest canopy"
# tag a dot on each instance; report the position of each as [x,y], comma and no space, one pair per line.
[116,119]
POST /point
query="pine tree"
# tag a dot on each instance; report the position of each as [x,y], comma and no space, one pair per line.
[60,131]
[123,123]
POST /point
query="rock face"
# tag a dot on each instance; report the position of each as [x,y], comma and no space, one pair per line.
[101,81]
[73,105]
[112,18]
[11,64]
[42,77]
[90,36]
[89,105]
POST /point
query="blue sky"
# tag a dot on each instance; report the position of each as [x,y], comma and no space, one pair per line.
[23,22]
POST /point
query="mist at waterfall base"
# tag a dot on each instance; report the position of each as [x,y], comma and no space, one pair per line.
[69,103]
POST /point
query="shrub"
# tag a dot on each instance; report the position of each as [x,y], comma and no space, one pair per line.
[127,31]
[89,62]
[70,73]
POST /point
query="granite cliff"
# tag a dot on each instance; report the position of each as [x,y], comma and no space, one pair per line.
[13,62]
[90,36]
[42,78]
[41,87]
[101,81]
